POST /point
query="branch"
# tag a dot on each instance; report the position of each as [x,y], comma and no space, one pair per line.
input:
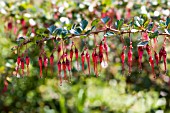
[93,32]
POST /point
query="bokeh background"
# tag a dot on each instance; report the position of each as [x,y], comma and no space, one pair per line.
[111,92]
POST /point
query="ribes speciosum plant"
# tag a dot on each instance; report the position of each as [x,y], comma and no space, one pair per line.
[98,50]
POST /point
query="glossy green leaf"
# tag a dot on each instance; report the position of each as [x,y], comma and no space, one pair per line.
[83,24]
[105,19]
[57,31]
[95,22]
[119,23]
[73,26]
[72,31]
[79,30]
[167,21]
[136,23]
[154,35]
[146,23]
[150,26]
[51,29]
[162,24]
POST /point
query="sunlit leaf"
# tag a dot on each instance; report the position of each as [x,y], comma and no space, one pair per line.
[95,22]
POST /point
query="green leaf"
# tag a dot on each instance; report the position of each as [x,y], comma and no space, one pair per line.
[167,21]
[141,21]
[93,28]
[87,32]
[79,30]
[108,34]
[167,31]
[40,31]
[150,26]
[83,37]
[136,23]
[57,31]
[95,22]
[105,19]
[119,23]
[142,43]
[83,24]
[28,33]
[144,17]
[51,29]
[20,40]
[154,35]
[162,24]
[73,26]
[37,38]
[64,32]
[72,31]
[21,8]
[146,23]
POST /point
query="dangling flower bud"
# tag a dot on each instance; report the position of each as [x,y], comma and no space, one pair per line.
[59,50]
[93,59]
[140,54]
[77,53]
[164,56]
[161,53]
[71,54]
[156,58]
[101,48]
[59,71]
[27,60]
[40,65]
[148,49]
[68,67]
[18,63]
[82,60]
[52,63]
[68,64]
[10,25]
[123,58]
[18,60]
[151,62]
[100,57]
[64,69]
[88,61]
[45,61]
[130,53]
[22,66]
[96,61]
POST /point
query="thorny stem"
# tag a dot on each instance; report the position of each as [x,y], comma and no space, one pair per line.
[94,32]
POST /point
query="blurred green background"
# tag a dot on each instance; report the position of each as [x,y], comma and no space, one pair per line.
[111,92]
